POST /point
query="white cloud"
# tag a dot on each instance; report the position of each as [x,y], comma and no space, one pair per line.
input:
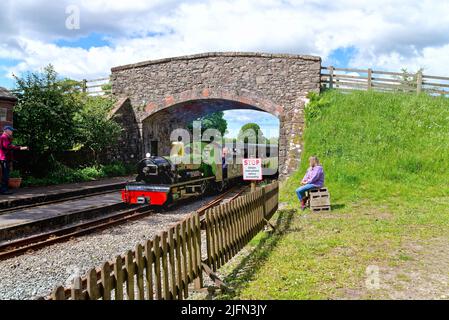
[384,34]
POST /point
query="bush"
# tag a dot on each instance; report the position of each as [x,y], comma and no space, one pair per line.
[115,169]
[63,174]
[14,174]
[315,107]
[52,117]
[44,117]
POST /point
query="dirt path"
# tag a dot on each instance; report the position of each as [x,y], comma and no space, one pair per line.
[417,271]
[422,273]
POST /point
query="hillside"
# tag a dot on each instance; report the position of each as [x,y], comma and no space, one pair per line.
[386,158]
[375,146]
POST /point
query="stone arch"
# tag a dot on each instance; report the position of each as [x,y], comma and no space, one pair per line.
[176,112]
[275,83]
[242,97]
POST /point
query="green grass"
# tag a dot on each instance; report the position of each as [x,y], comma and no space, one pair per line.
[386,161]
[374,145]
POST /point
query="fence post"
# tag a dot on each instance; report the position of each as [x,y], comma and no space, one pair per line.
[84,88]
[419,82]
[331,77]
[370,79]
[264,199]
[58,293]
[197,237]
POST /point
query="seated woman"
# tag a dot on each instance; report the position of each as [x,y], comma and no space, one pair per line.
[314,178]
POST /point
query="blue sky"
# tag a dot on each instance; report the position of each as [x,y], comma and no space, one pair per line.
[84,39]
[236,119]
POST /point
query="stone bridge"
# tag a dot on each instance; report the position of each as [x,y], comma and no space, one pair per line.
[155,97]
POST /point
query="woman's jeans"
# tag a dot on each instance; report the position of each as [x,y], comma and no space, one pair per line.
[301,191]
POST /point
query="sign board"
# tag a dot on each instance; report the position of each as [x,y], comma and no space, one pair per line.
[252,169]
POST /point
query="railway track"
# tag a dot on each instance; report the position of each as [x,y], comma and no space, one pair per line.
[228,195]
[36,242]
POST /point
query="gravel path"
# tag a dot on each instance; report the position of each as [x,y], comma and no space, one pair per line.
[35,274]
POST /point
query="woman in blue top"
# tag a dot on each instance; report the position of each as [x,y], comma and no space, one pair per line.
[314,178]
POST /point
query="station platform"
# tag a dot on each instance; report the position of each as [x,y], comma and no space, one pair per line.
[33,210]
[31,195]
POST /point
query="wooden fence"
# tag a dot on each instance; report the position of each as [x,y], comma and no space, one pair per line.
[97,87]
[347,79]
[164,267]
[229,227]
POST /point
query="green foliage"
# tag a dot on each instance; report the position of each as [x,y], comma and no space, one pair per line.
[14,174]
[212,121]
[95,129]
[54,115]
[408,79]
[44,115]
[106,87]
[316,105]
[251,132]
[117,169]
[63,174]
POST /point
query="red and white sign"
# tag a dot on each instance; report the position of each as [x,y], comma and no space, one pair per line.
[252,169]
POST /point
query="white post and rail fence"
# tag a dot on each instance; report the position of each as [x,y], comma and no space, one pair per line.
[344,79]
[349,79]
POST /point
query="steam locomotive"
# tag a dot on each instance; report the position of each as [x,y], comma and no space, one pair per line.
[161,181]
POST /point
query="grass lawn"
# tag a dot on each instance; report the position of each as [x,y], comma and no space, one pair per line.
[386,158]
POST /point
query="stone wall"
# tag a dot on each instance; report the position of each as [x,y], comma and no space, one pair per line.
[128,147]
[275,83]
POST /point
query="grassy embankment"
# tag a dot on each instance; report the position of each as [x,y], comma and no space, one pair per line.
[386,158]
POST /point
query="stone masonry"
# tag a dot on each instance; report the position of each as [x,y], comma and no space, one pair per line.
[275,83]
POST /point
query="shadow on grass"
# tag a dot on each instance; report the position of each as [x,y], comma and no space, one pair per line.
[248,267]
[338,206]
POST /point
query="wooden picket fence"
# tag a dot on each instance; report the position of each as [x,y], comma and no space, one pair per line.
[164,267]
[229,227]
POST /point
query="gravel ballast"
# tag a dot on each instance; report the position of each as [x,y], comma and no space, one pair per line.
[35,274]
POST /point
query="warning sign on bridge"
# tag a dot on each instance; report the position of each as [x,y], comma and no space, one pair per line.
[252,169]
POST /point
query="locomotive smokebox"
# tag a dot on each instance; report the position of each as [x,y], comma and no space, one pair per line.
[156,170]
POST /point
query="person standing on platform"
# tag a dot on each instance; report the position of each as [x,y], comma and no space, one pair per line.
[6,156]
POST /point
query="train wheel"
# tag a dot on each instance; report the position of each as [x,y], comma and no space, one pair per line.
[168,204]
[204,187]
[220,186]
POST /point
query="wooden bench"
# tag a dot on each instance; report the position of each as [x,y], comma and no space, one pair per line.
[319,199]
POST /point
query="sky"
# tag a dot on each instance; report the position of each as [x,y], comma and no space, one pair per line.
[236,119]
[83,39]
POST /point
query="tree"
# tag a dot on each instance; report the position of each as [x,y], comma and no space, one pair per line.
[44,116]
[408,80]
[96,131]
[212,121]
[251,132]
[54,115]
